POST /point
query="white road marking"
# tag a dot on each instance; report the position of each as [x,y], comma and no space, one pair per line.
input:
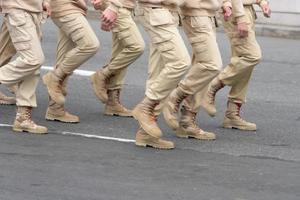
[86,135]
[82,73]
[77,71]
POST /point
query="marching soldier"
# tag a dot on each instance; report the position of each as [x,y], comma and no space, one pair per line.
[77,43]
[246,54]
[23,22]
[199,24]
[127,46]
[168,62]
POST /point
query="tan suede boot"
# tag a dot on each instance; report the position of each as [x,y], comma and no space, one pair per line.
[209,100]
[233,119]
[53,81]
[24,123]
[171,108]
[5,100]
[56,112]
[189,129]
[99,82]
[145,140]
[144,114]
[113,105]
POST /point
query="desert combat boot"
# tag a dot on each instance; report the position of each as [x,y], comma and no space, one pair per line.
[144,114]
[189,129]
[99,83]
[113,105]
[24,123]
[172,106]
[54,81]
[233,119]
[5,100]
[209,99]
[145,140]
[57,112]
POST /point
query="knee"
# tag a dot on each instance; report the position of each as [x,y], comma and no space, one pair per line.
[255,56]
[138,48]
[36,61]
[91,47]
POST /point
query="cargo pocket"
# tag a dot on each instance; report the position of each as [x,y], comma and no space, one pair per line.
[72,27]
[18,28]
[163,43]
[160,16]
[201,24]
[236,40]
[199,44]
[125,37]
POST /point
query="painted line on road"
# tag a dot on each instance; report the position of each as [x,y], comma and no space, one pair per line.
[77,71]
[86,135]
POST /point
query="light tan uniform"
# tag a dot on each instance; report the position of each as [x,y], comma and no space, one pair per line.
[199,24]
[7,49]
[246,53]
[77,41]
[127,45]
[169,58]
[22,20]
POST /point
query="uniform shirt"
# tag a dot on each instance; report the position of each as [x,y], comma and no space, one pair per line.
[28,5]
[62,8]
[202,7]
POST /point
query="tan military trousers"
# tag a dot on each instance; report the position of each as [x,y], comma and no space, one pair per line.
[206,61]
[127,46]
[77,42]
[7,49]
[169,59]
[25,33]
[246,54]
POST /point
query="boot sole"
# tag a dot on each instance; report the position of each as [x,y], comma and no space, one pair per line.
[60,120]
[238,128]
[193,137]
[29,131]
[6,103]
[142,144]
[93,80]
[117,114]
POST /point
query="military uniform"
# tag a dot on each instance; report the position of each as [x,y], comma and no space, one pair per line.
[246,54]
[168,62]
[199,24]
[77,43]
[127,46]
[7,51]
[23,20]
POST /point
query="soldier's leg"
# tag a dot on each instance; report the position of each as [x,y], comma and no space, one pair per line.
[128,45]
[24,29]
[206,65]
[7,51]
[77,28]
[246,54]
[55,111]
[167,42]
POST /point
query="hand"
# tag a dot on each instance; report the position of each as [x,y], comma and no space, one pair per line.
[108,18]
[227,11]
[106,27]
[97,4]
[47,8]
[266,10]
[242,29]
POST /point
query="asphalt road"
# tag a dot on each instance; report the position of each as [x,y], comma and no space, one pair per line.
[264,165]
